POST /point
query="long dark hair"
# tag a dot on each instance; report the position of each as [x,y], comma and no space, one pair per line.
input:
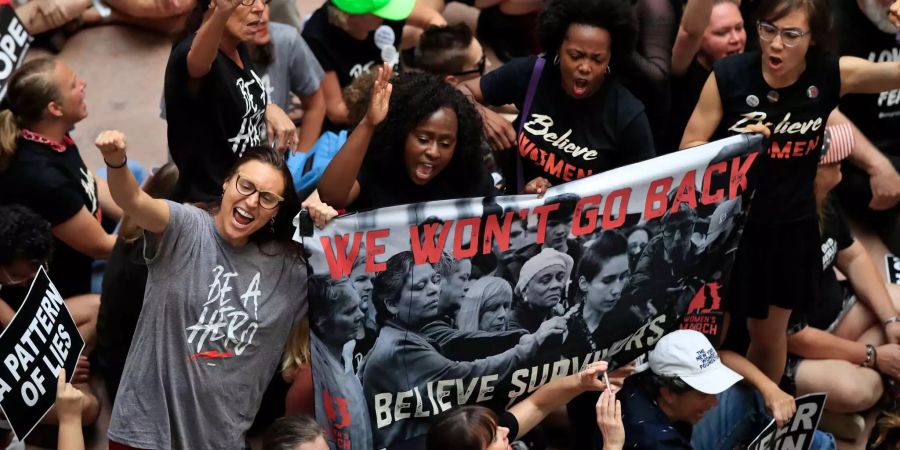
[416,97]
[463,428]
[283,229]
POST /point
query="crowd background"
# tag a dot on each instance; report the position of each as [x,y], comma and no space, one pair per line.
[124,66]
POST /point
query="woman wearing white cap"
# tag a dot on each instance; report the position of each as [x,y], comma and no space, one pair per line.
[540,289]
[666,406]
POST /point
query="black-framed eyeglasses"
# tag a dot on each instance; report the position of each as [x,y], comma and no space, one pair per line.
[789,36]
[479,68]
[251,2]
[245,187]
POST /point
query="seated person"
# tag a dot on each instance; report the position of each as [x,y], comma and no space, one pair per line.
[349,37]
[450,52]
[295,433]
[854,329]
[26,244]
[664,406]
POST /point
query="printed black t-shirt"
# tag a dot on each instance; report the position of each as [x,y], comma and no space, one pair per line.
[55,185]
[378,189]
[565,139]
[796,115]
[211,128]
[339,52]
[685,91]
[876,115]
[836,237]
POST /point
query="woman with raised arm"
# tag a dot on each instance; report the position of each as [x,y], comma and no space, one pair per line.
[420,141]
[224,288]
[216,104]
[786,90]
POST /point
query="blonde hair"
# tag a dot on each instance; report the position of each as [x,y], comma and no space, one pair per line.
[29,90]
[296,353]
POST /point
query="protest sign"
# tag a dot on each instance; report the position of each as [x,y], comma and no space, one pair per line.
[460,301]
[14,43]
[892,266]
[41,338]
[796,434]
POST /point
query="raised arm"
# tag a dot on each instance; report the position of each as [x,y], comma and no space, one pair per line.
[860,76]
[533,409]
[206,43]
[147,212]
[338,186]
[690,34]
[706,117]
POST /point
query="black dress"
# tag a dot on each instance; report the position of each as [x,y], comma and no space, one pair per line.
[778,262]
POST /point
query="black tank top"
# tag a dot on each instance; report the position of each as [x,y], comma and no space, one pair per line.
[796,115]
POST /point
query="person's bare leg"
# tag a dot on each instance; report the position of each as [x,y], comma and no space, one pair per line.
[168,26]
[850,388]
[768,342]
[152,9]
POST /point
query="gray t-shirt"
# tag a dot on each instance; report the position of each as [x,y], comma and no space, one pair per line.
[295,68]
[210,336]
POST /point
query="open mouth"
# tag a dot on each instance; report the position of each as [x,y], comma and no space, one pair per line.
[241,217]
[580,87]
[775,62]
[424,171]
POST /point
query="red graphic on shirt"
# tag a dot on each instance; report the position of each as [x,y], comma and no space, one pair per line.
[338,424]
[550,162]
[212,354]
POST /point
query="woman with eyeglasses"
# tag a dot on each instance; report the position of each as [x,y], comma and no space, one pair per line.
[225,286]
[786,91]
[217,106]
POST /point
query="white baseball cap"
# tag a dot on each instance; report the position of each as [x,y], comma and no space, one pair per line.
[688,355]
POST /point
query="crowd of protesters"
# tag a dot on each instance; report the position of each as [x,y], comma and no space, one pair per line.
[199,334]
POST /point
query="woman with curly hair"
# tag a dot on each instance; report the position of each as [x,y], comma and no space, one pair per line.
[575,118]
[426,148]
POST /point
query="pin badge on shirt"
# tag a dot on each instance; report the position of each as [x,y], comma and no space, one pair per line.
[812,91]
[384,37]
[772,96]
[752,101]
[390,55]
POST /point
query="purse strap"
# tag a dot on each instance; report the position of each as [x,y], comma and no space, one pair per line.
[523,117]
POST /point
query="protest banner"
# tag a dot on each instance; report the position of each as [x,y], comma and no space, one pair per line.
[461,301]
[41,338]
[796,434]
[892,266]
[14,43]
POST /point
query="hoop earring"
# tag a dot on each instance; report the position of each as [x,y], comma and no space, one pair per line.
[272,226]
[556,60]
[608,70]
